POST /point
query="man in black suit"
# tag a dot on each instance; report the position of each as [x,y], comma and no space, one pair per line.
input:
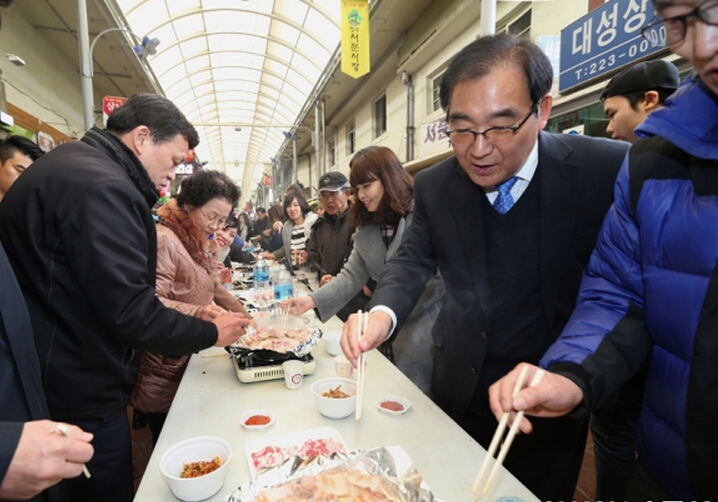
[34,454]
[510,222]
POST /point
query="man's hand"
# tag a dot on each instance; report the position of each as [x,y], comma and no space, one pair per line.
[377,331]
[554,396]
[299,256]
[298,305]
[43,458]
[230,327]
[325,279]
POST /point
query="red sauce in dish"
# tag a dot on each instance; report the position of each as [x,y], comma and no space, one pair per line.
[392,406]
[258,420]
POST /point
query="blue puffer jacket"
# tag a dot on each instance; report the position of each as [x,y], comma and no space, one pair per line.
[651,290]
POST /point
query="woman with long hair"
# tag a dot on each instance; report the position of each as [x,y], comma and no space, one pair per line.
[186,280]
[295,231]
[382,213]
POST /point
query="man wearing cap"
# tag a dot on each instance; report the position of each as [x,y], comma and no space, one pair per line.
[330,241]
[634,93]
[628,99]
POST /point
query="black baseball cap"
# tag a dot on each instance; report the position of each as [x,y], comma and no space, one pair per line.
[333,181]
[646,76]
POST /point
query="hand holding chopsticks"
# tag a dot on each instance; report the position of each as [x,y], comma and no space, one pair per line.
[499,433]
[62,429]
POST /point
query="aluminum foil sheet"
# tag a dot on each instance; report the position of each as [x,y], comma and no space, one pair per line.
[402,482]
[245,344]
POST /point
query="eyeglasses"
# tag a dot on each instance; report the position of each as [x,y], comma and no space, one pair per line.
[494,135]
[672,30]
[217,222]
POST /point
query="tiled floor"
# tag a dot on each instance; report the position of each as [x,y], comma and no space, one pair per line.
[142,449]
[586,488]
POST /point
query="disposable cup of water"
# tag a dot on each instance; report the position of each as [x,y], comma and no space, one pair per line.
[343,367]
[293,373]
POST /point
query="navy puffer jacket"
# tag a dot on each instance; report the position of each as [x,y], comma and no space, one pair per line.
[651,291]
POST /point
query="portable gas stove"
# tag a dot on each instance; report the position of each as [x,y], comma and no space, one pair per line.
[261,365]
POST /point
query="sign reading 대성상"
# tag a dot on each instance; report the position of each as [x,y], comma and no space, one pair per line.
[603,40]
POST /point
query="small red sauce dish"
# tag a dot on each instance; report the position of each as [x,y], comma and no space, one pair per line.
[257,420]
[393,405]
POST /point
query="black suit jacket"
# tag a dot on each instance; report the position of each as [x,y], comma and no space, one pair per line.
[21,392]
[575,175]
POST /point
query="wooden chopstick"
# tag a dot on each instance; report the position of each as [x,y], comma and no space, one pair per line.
[62,429]
[510,437]
[360,369]
[363,364]
[499,433]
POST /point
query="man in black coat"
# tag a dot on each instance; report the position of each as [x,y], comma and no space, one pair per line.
[510,223]
[79,234]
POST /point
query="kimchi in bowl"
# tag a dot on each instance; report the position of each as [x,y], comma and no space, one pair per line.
[336,397]
[195,468]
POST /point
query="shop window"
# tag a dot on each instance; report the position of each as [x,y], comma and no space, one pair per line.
[380,116]
[520,26]
[589,120]
[351,138]
[435,92]
[332,152]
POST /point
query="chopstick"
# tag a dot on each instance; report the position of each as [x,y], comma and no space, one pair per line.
[363,321]
[499,432]
[65,432]
[285,314]
[510,437]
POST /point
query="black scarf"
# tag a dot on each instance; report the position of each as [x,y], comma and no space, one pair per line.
[109,143]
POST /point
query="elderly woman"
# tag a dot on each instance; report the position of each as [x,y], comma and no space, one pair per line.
[186,279]
[382,213]
[296,230]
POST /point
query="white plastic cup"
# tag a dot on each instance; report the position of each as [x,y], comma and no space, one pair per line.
[343,367]
[293,373]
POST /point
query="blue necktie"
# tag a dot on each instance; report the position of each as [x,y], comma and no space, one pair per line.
[504,201]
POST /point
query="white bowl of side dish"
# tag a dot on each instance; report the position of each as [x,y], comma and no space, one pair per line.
[193,450]
[331,342]
[335,407]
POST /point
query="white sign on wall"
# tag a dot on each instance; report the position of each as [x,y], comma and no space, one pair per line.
[433,138]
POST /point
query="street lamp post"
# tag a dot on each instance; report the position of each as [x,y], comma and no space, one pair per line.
[147,46]
[293,137]
[83,39]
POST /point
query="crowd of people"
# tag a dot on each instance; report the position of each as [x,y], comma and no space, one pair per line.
[591,258]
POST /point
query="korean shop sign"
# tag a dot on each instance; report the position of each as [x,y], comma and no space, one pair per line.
[603,40]
[356,58]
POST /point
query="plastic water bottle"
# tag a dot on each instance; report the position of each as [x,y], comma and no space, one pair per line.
[274,275]
[261,274]
[284,287]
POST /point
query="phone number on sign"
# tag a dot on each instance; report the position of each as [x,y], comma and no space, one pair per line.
[600,65]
